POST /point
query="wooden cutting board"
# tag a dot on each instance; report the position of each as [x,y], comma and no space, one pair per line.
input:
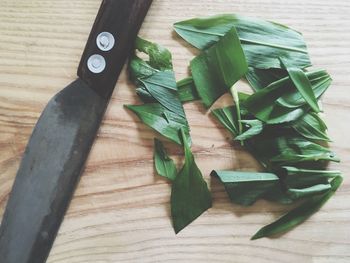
[120,211]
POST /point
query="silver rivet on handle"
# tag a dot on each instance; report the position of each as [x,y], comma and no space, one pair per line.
[96,63]
[105,41]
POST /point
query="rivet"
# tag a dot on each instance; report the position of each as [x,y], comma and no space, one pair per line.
[96,63]
[105,41]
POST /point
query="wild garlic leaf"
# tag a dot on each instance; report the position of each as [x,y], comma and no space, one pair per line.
[255,127]
[293,177]
[296,150]
[159,57]
[162,120]
[320,81]
[262,41]
[245,188]
[227,117]
[311,126]
[275,150]
[261,78]
[218,68]
[300,213]
[187,90]
[162,87]
[303,85]
[144,95]
[190,196]
[298,193]
[139,68]
[164,165]
[280,102]
[309,175]
[263,106]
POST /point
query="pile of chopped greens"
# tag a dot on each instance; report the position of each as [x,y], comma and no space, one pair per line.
[279,124]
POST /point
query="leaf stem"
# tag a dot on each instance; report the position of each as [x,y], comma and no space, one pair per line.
[234,94]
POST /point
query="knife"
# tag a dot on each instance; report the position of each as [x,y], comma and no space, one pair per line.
[60,143]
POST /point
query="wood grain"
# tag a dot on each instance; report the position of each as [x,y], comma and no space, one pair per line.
[120,212]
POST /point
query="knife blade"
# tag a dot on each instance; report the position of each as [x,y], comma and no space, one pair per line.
[63,136]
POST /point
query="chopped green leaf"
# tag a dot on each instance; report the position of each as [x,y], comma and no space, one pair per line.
[227,117]
[299,214]
[254,127]
[262,41]
[303,85]
[190,196]
[159,57]
[187,90]
[296,193]
[162,87]
[311,126]
[164,165]
[153,115]
[245,188]
[218,68]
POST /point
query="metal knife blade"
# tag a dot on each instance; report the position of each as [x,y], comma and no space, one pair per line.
[57,150]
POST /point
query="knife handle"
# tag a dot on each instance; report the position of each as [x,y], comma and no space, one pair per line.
[110,42]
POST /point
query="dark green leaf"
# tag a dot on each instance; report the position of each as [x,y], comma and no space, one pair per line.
[320,81]
[144,95]
[254,127]
[303,85]
[263,106]
[276,150]
[245,188]
[311,126]
[190,196]
[227,117]
[139,68]
[159,57]
[262,41]
[280,101]
[299,214]
[261,78]
[164,165]
[296,193]
[218,68]
[161,119]
[187,90]
[162,87]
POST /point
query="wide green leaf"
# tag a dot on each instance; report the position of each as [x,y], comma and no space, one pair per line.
[190,196]
[227,117]
[300,213]
[164,165]
[294,150]
[281,102]
[245,188]
[216,70]
[263,106]
[162,87]
[254,127]
[159,57]
[161,119]
[303,85]
[263,42]
[274,150]
[311,126]
[261,78]
[187,90]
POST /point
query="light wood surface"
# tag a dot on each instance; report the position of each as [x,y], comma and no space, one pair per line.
[120,211]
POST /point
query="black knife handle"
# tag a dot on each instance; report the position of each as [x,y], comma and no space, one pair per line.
[102,61]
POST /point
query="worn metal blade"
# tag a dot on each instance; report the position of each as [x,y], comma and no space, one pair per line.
[48,174]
